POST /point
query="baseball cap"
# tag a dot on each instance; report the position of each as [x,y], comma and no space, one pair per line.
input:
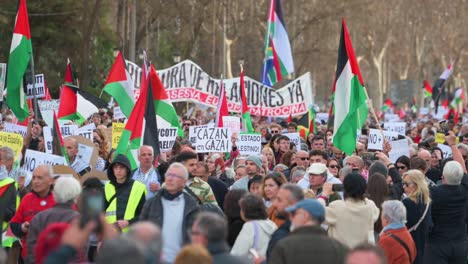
[317,168]
[312,206]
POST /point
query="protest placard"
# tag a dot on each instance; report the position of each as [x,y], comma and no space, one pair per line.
[86,131]
[399,148]
[322,117]
[69,130]
[40,87]
[118,113]
[249,143]
[232,122]
[294,138]
[17,129]
[375,140]
[192,131]
[48,140]
[391,118]
[13,141]
[167,138]
[399,127]
[446,151]
[117,129]
[213,139]
[33,158]
[424,110]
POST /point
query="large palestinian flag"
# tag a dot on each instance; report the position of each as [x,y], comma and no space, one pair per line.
[350,98]
[141,128]
[119,85]
[18,63]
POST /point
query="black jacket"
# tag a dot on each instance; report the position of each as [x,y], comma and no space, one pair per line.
[122,190]
[280,233]
[153,211]
[234,228]
[220,254]
[219,188]
[8,202]
[397,188]
[414,212]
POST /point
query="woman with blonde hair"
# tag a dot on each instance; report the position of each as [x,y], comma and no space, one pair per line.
[268,152]
[417,203]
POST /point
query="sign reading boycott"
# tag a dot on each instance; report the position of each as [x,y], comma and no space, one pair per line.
[249,143]
[212,139]
[117,129]
[186,81]
[376,140]
[13,141]
[33,158]
[399,127]
[167,138]
[40,87]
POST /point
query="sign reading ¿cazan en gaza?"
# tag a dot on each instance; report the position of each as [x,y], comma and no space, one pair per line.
[186,81]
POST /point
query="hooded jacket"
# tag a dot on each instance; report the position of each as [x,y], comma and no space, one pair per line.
[123,190]
[247,238]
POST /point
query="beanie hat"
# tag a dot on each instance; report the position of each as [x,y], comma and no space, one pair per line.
[255,159]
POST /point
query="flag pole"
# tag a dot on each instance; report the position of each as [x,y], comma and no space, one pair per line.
[34,85]
[371,108]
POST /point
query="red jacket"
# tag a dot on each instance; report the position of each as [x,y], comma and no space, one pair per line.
[394,251]
[30,205]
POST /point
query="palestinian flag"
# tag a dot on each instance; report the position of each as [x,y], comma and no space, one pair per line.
[427,89]
[350,97]
[222,107]
[246,119]
[119,85]
[57,142]
[18,63]
[165,113]
[312,125]
[438,87]
[141,128]
[458,98]
[387,105]
[278,61]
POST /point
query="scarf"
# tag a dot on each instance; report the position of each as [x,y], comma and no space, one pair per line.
[169,196]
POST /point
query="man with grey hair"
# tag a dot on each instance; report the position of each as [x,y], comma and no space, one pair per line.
[288,195]
[76,163]
[149,236]
[7,159]
[447,242]
[121,250]
[146,173]
[210,230]
[173,210]
[395,239]
[66,191]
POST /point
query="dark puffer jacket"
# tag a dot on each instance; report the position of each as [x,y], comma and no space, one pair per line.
[123,190]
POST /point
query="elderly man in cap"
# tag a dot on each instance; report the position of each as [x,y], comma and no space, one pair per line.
[307,240]
[318,175]
[317,156]
[253,165]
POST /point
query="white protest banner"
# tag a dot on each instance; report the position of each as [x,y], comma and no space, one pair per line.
[40,87]
[33,158]
[213,139]
[167,138]
[91,127]
[69,130]
[192,133]
[322,117]
[446,151]
[424,110]
[399,127]
[249,143]
[186,81]
[391,118]
[232,122]
[118,113]
[86,131]
[441,112]
[3,67]
[12,128]
[399,148]
[295,138]
[49,104]
[375,140]
[48,140]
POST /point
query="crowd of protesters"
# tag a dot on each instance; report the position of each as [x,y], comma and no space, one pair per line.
[288,204]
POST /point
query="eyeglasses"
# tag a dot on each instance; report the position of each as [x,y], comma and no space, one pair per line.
[407,184]
[274,131]
[173,175]
[401,167]
[303,158]
[187,124]
[334,166]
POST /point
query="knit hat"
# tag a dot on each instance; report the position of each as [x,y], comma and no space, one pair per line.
[255,159]
[312,206]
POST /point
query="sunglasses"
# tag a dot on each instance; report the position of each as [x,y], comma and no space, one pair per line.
[187,124]
[303,158]
[334,166]
[401,167]
[274,131]
[407,184]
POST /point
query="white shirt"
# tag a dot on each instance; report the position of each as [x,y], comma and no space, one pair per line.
[172,227]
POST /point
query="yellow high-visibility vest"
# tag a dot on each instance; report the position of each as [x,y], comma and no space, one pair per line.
[138,190]
[7,242]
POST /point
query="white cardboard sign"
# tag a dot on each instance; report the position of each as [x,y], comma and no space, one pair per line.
[13,128]
[399,148]
[48,140]
[446,151]
[40,87]
[69,130]
[33,158]
[232,122]
[249,143]
[375,140]
[399,127]
[213,139]
[167,138]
